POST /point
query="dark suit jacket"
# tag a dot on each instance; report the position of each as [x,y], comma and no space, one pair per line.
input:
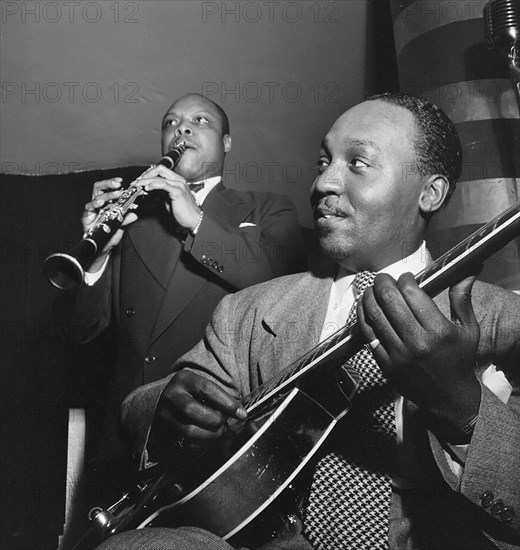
[257,331]
[158,292]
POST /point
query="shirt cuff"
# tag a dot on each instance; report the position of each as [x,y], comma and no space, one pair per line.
[92,278]
[496,382]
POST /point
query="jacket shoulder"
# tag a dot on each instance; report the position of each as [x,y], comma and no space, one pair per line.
[281,299]
[271,290]
[487,299]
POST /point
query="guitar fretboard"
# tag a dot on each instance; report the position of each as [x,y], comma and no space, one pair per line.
[471,251]
[446,270]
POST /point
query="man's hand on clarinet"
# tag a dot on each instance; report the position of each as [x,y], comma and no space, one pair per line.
[102,193]
[182,204]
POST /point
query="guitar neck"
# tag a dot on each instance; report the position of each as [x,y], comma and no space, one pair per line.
[448,269]
[458,262]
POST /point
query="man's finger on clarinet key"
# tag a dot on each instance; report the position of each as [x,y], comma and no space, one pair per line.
[101,200]
[101,187]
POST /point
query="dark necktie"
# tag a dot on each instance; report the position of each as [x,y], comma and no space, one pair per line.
[350,494]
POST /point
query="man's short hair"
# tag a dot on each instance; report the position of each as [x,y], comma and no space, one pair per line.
[223,116]
[437,146]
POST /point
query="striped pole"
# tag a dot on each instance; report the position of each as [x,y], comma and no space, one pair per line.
[442,56]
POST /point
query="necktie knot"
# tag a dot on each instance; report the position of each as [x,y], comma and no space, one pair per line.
[362,281]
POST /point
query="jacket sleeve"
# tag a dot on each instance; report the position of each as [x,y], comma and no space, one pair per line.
[491,478]
[84,314]
[265,244]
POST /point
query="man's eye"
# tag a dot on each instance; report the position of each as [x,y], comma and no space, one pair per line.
[358,163]
[202,119]
[169,122]
[322,164]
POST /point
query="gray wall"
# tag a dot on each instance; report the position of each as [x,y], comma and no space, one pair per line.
[85,85]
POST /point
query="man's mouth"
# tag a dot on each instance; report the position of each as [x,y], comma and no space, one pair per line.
[187,143]
[322,212]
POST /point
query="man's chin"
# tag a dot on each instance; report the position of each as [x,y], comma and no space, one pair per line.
[333,246]
[186,169]
[190,173]
[196,172]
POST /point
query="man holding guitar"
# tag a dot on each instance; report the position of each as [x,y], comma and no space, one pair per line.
[428,456]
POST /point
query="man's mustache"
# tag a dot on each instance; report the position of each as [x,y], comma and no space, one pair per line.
[325,207]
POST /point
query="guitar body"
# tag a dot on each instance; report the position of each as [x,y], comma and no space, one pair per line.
[228,489]
[251,469]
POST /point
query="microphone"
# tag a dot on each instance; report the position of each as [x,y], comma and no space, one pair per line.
[502,22]
[502,26]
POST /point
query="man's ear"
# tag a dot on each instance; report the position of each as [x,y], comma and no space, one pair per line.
[227,143]
[434,192]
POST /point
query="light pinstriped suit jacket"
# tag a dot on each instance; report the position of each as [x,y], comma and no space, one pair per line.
[259,330]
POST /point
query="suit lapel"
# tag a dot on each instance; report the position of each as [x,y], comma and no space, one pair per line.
[188,275]
[294,323]
[156,247]
[230,207]
[183,285]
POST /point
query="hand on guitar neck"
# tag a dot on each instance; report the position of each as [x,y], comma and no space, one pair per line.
[193,409]
[429,358]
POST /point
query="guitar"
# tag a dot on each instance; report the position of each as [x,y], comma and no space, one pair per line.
[226,487]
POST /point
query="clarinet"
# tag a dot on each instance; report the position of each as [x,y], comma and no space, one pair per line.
[66,270]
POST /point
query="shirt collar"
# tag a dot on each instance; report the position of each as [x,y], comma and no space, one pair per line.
[414,263]
[209,184]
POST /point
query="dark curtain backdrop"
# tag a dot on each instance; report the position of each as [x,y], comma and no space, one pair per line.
[42,377]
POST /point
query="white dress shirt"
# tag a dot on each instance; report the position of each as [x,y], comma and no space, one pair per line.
[341,300]
[200,197]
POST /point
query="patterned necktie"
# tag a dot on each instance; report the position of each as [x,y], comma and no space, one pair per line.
[350,494]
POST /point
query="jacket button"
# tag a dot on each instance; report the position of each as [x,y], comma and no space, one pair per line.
[149,359]
[487,499]
[130,312]
[497,507]
[220,269]
[507,514]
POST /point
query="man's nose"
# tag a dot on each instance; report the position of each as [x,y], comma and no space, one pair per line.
[184,130]
[331,181]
